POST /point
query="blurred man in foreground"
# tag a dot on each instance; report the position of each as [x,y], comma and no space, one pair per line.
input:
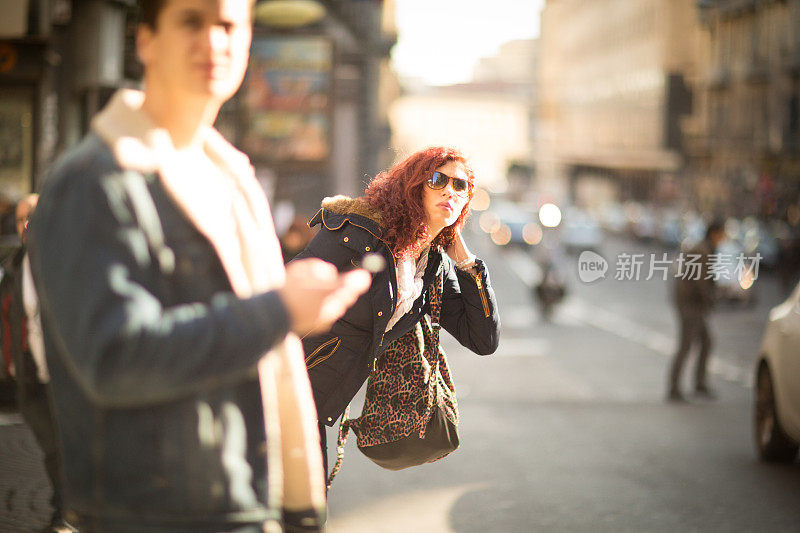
[181,392]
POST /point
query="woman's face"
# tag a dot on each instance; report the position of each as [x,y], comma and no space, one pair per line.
[443,206]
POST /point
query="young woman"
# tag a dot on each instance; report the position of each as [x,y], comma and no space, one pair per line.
[411,215]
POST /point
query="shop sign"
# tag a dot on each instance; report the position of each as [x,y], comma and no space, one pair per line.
[287,93]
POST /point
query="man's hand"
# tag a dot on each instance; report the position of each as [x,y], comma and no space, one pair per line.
[316,295]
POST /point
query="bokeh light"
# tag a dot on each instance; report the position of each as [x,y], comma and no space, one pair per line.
[550,215]
[532,233]
[502,235]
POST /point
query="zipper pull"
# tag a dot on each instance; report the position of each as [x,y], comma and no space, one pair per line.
[478,281]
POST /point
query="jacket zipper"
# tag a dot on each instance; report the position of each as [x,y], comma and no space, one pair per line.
[310,365]
[482,294]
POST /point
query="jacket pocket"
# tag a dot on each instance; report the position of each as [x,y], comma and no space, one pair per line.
[323,352]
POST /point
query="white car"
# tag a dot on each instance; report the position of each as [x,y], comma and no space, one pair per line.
[777,394]
[580,231]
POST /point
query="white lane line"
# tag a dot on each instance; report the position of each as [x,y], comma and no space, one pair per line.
[583,312]
[523,266]
[523,348]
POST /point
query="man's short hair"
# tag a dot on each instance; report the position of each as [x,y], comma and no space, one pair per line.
[150,9]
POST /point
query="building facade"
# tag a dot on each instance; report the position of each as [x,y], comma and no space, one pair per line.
[490,118]
[59,62]
[312,113]
[744,141]
[614,90]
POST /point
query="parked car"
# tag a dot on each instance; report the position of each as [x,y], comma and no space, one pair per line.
[694,228]
[757,238]
[511,225]
[580,231]
[670,230]
[777,387]
[612,218]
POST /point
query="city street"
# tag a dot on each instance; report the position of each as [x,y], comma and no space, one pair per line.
[170,139]
[565,428]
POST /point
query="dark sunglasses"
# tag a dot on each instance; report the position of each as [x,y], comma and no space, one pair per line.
[439,180]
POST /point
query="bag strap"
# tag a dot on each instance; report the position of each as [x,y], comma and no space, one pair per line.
[344,424]
[436,309]
[344,427]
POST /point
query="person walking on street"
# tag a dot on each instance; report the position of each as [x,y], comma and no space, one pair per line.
[180,393]
[412,215]
[22,342]
[694,299]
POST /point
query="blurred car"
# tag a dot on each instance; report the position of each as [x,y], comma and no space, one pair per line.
[641,221]
[670,230]
[694,228]
[645,227]
[580,231]
[613,218]
[509,224]
[777,386]
[757,238]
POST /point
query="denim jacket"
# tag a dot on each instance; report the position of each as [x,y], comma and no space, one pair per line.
[152,358]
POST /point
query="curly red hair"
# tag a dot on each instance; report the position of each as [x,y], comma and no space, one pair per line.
[397,194]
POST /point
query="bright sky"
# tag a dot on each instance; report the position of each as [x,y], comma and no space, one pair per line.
[441,40]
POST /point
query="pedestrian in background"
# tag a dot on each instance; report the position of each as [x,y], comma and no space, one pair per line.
[694,298]
[412,215]
[180,393]
[296,238]
[22,343]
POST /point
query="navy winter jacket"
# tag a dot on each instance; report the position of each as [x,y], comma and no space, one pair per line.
[340,361]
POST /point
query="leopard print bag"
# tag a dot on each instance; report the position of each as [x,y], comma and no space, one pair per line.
[410,413]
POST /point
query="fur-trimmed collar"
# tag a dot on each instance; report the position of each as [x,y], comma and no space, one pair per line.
[344,205]
[138,144]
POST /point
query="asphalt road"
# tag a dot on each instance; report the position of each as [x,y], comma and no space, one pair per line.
[565,427]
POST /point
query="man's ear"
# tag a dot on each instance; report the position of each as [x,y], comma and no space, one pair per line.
[144,40]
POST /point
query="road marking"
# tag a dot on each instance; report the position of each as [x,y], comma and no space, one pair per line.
[517,317]
[523,266]
[531,347]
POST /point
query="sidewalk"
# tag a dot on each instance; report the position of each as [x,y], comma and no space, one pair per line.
[24,487]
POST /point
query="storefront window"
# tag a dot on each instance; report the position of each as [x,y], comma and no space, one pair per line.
[16,141]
